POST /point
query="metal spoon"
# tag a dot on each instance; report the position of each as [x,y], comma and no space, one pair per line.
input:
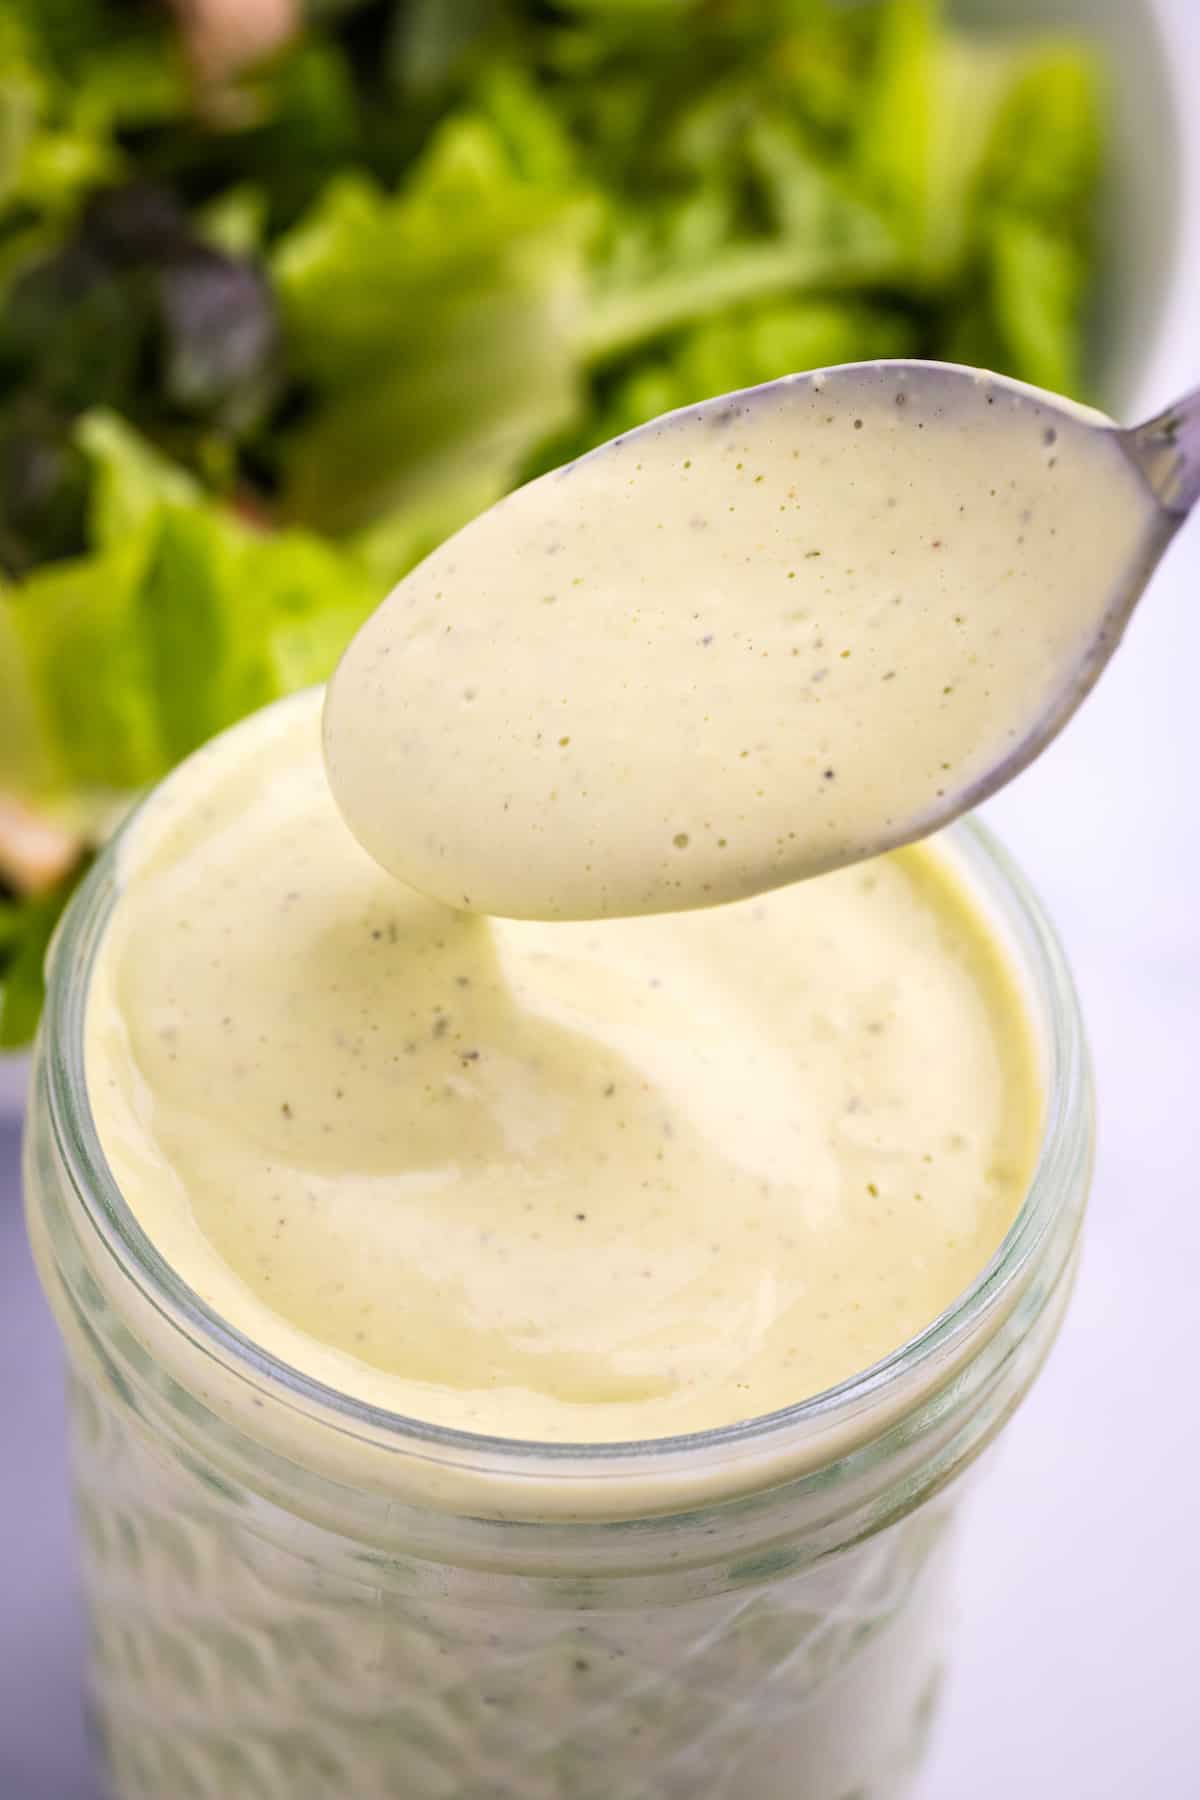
[1167,451]
[671,674]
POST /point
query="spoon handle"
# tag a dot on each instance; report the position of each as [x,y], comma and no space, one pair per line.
[1167,451]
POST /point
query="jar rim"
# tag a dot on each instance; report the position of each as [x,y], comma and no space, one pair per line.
[1010,904]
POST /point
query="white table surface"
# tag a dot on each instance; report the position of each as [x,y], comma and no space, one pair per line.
[1076,1672]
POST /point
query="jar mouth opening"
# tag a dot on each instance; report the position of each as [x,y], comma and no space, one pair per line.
[1011,908]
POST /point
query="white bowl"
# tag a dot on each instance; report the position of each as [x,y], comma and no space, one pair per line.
[1152,215]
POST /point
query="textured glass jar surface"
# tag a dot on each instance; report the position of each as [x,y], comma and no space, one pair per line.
[233,1657]
[309,1614]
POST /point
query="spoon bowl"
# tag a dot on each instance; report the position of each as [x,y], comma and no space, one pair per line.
[757,639]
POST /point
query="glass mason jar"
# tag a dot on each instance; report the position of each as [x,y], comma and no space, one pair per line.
[295,1596]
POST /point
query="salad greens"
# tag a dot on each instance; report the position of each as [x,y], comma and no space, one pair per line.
[25,934]
[268,335]
[178,619]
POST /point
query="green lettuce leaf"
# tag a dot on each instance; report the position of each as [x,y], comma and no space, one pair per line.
[740,349]
[1040,180]
[88,670]
[1047,151]
[437,329]
[11,929]
[131,480]
[25,933]
[1038,280]
[27,764]
[181,619]
[73,76]
[929,116]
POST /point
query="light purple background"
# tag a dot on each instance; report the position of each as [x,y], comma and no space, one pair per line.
[1076,1675]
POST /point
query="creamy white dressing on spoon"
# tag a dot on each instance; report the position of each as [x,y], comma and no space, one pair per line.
[584,1180]
[753,641]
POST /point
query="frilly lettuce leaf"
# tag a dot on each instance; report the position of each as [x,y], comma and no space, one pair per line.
[25,933]
[1042,172]
[131,480]
[71,77]
[181,619]
[436,328]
